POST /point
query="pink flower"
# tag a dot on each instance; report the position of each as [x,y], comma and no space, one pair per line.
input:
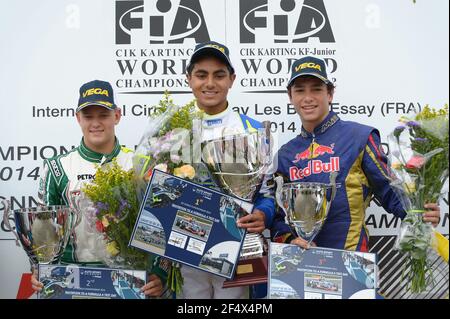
[416,162]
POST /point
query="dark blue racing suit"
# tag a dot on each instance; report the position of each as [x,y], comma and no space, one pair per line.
[353,150]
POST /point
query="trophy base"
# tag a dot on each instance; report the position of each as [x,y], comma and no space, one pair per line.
[249,272]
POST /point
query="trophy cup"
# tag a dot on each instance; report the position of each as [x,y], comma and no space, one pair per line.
[43,231]
[90,242]
[305,204]
[238,165]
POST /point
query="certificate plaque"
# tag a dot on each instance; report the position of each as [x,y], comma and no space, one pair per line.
[190,224]
[320,273]
[74,282]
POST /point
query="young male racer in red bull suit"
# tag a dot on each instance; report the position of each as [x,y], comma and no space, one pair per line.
[326,144]
[211,75]
[97,114]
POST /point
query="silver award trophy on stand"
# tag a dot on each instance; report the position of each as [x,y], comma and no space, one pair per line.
[90,242]
[238,164]
[305,204]
[42,231]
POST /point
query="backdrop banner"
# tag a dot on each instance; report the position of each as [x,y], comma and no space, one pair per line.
[388,59]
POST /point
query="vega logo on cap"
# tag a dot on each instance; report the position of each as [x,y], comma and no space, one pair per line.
[308,66]
[96,91]
[215,46]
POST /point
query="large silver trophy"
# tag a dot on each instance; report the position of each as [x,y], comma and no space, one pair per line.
[238,164]
[43,231]
[305,204]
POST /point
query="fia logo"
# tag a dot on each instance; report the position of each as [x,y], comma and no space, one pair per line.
[168,21]
[290,21]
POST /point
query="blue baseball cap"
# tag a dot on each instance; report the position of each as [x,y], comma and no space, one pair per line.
[309,66]
[211,48]
[96,93]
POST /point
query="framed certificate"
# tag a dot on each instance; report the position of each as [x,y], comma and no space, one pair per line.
[74,282]
[320,273]
[190,224]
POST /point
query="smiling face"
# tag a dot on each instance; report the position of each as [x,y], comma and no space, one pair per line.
[210,81]
[311,98]
[97,124]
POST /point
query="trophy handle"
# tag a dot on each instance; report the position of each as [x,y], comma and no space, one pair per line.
[279,181]
[333,176]
[75,205]
[6,215]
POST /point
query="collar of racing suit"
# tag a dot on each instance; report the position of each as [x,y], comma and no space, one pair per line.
[94,157]
[331,119]
[215,120]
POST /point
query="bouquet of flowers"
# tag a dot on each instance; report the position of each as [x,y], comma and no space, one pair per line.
[113,195]
[418,157]
[169,145]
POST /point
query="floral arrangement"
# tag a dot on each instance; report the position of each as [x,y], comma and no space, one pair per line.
[419,151]
[168,144]
[113,194]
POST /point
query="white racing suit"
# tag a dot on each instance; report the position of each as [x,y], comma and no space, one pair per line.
[200,284]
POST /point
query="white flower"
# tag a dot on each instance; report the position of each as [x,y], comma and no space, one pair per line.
[161,167]
[166,147]
[175,158]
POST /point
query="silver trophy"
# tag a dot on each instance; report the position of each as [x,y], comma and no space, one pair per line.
[90,242]
[305,204]
[239,163]
[43,231]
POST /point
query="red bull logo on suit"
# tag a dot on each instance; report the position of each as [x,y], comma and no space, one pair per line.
[314,167]
[313,151]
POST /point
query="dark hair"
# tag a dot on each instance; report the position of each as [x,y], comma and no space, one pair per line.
[191,65]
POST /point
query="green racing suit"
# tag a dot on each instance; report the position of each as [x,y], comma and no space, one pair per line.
[66,173]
